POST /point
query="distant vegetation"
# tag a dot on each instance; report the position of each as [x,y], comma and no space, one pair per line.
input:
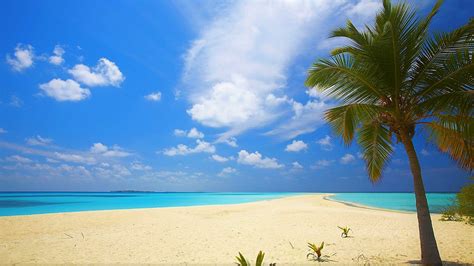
[463,207]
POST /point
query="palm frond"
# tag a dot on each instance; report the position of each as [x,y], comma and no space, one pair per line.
[454,135]
[376,145]
[345,119]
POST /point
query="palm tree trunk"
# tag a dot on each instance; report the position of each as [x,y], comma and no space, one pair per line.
[429,248]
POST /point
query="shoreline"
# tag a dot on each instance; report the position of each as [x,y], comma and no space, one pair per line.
[215,234]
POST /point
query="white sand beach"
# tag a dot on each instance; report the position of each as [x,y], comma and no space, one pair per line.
[215,234]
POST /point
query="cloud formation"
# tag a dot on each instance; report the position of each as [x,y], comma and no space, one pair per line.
[22,58]
[347,158]
[57,57]
[181,149]
[38,141]
[296,146]
[105,73]
[154,96]
[65,90]
[325,143]
[257,160]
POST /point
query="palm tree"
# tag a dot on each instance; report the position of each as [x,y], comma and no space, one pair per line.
[394,77]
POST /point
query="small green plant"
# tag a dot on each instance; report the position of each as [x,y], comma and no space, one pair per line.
[345,231]
[242,261]
[465,199]
[315,251]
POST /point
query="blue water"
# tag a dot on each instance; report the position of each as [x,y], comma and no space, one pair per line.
[54,202]
[397,201]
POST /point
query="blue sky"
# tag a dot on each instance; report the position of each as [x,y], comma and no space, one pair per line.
[184,96]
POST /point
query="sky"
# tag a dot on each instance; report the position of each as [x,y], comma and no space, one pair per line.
[186,96]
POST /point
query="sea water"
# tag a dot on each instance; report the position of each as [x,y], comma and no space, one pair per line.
[26,203]
[397,201]
[53,202]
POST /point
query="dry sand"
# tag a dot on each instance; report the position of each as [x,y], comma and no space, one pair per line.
[215,234]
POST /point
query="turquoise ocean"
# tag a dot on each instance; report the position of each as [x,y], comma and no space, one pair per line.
[26,203]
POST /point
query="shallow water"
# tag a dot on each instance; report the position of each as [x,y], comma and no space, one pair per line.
[54,202]
[397,201]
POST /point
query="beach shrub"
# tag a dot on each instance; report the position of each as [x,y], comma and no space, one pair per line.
[345,231]
[315,251]
[451,214]
[241,260]
[465,200]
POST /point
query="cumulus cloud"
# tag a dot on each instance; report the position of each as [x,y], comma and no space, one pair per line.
[65,90]
[154,96]
[296,146]
[75,158]
[114,151]
[201,147]
[105,73]
[424,152]
[57,57]
[227,171]
[320,164]
[219,158]
[192,133]
[264,39]
[257,160]
[3,131]
[38,141]
[347,158]
[325,143]
[22,58]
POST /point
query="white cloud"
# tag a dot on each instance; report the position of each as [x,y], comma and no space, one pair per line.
[347,158]
[57,57]
[38,141]
[320,164]
[219,158]
[18,159]
[296,146]
[22,59]
[65,90]
[325,143]
[114,151]
[264,39]
[192,133]
[364,9]
[231,142]
[360,155]
[98,148]
[424,152]
[179,132]
[296,165]
[75,158]
[140,166]
[3,131]
[181,149]
[306,119]
[105,73]
[257,160]
[154,96]
[195,134]
[227,171]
